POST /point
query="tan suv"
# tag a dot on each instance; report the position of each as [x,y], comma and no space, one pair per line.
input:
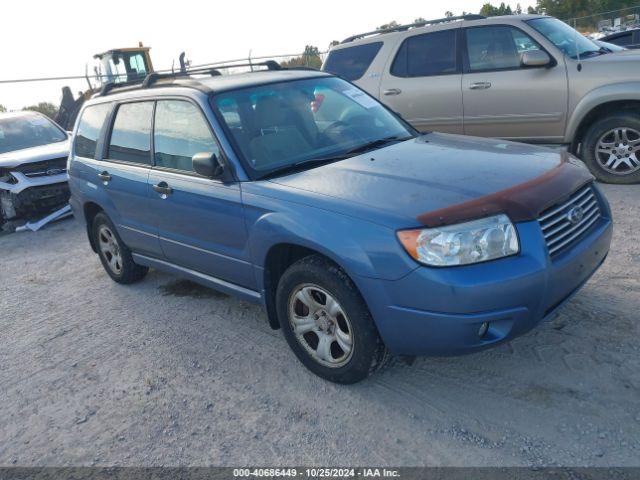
[528,78]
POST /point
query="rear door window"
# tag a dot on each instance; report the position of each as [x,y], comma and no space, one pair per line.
[352,62]
[131,134]
[426,55]
[180,132]
[89,129]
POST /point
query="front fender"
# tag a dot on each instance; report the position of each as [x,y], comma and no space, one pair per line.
[360,247]
[596,97]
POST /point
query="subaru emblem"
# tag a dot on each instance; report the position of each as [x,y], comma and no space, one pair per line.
[575,215]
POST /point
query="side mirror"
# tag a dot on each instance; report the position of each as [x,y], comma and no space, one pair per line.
[535,58]
[207,164]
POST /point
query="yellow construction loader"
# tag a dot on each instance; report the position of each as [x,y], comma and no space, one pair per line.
[117,66]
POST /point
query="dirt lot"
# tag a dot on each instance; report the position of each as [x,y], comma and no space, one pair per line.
[168,373]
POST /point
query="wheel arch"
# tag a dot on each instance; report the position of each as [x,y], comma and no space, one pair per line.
[601,101]
[90,210]
[277,260]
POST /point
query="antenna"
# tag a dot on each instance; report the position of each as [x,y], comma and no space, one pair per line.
[86,75]
[575,43]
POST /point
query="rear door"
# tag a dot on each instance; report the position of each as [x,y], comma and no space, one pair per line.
[502,98]
[200,220]
[124,174]
[422,81]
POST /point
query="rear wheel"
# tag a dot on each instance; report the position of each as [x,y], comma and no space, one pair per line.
[327,323]
[114,254]
[611,149]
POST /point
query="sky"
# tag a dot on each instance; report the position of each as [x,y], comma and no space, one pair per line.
[45,38]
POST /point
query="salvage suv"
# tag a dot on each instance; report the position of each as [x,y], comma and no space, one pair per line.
[298,191]
[529,78]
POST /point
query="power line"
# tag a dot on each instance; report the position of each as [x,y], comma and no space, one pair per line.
[47,79]
[166,70]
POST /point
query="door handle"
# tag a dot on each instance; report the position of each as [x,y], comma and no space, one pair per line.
[105,177]
[163,189]
[480,85]
[392,91]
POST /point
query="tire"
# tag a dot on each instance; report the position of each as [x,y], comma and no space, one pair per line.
[340,342]
[114,254]
[618,158]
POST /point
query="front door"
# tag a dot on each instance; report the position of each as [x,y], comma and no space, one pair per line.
[200,220]
[422,82]
[504,99]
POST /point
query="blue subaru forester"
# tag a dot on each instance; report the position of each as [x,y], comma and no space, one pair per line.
[298,191]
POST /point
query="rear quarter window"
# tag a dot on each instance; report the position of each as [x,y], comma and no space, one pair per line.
[352,62]
[89,128]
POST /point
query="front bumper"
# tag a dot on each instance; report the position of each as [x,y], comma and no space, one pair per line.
[439,311]
[31,198]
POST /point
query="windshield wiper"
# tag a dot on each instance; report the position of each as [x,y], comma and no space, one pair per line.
[378,143]
[314,162]
[591,53]
[302,165]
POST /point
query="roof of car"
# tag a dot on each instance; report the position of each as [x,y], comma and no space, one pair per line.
[620,33]
[232,82]
[208,84]
[19,113]
[440,24]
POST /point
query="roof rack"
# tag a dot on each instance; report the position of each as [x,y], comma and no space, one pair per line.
[401,28]
[152,78]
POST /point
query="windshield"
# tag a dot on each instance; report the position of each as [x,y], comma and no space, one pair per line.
[28,131]
[564,37]
[281,125]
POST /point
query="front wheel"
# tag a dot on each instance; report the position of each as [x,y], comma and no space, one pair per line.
[327,323]
[611,149]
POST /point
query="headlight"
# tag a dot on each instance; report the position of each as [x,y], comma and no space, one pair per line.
[470,242]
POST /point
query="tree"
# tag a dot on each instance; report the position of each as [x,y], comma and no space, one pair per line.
[448,14]
[420,20]
[2,108]
[567,9]
[310,58]
[489,10]
[46,108]
[391,24]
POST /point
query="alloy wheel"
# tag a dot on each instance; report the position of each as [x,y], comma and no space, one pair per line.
[618,150]
[110,249]
[320,325]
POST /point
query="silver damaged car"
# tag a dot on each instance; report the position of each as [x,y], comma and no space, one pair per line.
[33,168]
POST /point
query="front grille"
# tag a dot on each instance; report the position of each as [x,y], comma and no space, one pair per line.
[564,224]
[55,166]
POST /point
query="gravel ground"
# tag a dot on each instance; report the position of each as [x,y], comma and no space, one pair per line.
[168,373]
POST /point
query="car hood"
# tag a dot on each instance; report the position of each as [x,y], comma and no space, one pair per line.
[435,172]
[623,56]
[34,154]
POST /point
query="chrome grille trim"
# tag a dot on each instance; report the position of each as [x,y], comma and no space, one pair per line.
[558,230]
[43,167]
